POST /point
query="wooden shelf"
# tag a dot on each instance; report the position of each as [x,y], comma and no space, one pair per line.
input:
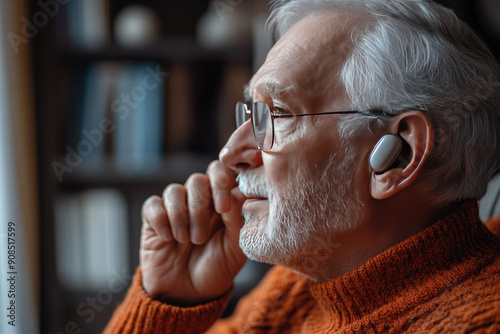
[166,49]
[173,168]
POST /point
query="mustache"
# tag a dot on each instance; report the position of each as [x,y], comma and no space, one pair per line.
[253,183]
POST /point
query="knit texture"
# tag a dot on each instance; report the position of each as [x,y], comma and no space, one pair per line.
[445,279]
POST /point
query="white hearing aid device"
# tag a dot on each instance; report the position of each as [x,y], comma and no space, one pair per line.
[385,153]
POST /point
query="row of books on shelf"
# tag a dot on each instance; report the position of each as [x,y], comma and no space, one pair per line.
[91,238]
[119,109]
[132,115]
[83,23]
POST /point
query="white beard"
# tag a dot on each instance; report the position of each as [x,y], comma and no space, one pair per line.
[307,209]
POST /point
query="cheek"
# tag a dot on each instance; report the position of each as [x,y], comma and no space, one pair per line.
[279,169]
[318,143]
[306,154]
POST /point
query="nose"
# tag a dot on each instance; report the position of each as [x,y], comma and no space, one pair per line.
[240,152]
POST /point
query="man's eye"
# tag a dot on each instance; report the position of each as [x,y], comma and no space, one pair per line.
[280,112]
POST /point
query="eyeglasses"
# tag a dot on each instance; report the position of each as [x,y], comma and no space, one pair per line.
[263,123]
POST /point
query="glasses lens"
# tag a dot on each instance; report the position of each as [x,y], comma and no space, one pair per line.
[241,113]
[262,125]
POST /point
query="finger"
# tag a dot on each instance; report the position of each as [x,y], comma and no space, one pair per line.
[200,207]
[233,219]
[175,199]
[222,180]
[233,222]
[154,215]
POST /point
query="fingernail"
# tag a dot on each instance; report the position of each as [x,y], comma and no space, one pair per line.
[222,201]
[182,235]
[165,233]
[196,235]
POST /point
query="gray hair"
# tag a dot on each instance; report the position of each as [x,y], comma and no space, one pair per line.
[418,54]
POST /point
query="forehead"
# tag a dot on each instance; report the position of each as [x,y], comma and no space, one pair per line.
[307,59]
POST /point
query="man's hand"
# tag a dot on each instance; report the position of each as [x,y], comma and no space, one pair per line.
[189,244]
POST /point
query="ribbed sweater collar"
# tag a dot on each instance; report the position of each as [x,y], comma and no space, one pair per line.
[418,269]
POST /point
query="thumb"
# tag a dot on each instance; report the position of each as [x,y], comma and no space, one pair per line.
[233,219]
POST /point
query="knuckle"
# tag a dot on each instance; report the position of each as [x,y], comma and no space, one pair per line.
[177,214]
[196,179]
[153,212]
[172,190]
[159,218]
[149,204]
[225,180]
[200,193]
[200,202]
[175,204]
[215,164]
[220,175]
[178,217]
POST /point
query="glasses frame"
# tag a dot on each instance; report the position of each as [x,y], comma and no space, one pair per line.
[242,120]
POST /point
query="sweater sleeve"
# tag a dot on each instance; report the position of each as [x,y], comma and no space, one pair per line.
[493,224]
[139,313]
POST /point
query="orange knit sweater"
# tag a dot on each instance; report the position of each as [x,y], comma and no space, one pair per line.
[444,280]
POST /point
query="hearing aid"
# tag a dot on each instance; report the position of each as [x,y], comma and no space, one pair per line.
[385,153]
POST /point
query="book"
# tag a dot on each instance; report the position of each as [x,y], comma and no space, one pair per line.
[91,238]
[95,106]
[147,131]
[122,108]
[69,243]
[138,109]
[88,23]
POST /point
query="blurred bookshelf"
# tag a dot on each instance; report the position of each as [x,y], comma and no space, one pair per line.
[120,115]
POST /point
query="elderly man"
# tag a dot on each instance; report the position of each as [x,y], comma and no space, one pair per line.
[367,138]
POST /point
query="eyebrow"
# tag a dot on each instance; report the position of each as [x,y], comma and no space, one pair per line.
[246,93]
[273,88]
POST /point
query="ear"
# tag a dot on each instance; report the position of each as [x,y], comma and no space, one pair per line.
[417,133]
